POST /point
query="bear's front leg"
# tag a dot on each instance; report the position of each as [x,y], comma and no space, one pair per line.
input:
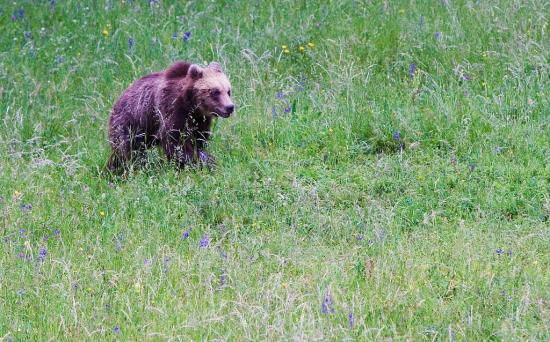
[201,138]
[182,153]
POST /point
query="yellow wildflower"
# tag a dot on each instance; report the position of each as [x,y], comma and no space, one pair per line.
[17,195]
[302,49]
[330,130]
[311,45]
[105,32]
[286,51]
[101,213]
[284,47]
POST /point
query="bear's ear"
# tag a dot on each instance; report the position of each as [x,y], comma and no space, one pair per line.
[195,71]
[215,66]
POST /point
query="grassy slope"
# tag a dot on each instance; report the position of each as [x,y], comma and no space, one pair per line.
[319,202]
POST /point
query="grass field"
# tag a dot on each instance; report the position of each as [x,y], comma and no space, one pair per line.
[389,179]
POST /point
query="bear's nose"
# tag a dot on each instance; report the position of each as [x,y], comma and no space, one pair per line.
[229,109]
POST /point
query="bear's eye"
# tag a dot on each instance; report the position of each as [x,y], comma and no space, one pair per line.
[215,92]
[229,92]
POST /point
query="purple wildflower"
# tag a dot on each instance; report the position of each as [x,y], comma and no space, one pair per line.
[23,232]
[57,233]
[396,135]
[28,35]
[59,59]
[509,253]
[119,240]
[437,35]
[147,262]
[222,279]
[280,95]
[465,77]
[360,237]
[131,43]
[186,36]
[301,84]
[327,306]
[116,329]
[166,263]
[287,109]
[205,241]
[472,167]
[42,255]
[273,112]
[499,251]
[45,238]
[26,207]
[52,6]
[498,149]
[203,156]
[185,234]
[21,292]
[174,36]
[350,320]
[22,255]
[412,70]
[18,14]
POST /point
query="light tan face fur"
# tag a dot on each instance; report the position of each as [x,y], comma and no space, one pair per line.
[214,92]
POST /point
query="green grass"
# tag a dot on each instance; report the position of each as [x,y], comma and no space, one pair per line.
[445,238]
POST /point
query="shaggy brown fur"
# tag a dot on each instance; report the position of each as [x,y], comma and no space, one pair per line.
[173,108]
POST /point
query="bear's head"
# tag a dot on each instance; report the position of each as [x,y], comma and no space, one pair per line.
[212,90]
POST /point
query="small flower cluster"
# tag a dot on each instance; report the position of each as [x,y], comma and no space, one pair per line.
[18,14]
[327,307]
[500,251]
[300,48]
[131,43]
[205,241]
[282,97]
[412,70]
[397,139]
[186,36]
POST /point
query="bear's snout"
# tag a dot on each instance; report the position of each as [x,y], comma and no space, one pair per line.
[229,109]
[225,111]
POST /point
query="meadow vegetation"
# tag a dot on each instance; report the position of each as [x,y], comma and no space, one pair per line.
[386,175]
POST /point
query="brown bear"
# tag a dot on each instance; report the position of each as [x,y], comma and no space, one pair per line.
[173,108]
